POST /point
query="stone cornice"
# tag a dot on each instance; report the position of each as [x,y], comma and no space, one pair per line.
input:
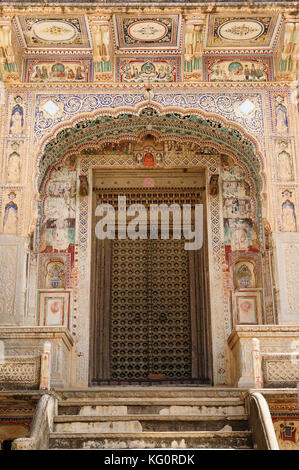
[37,332]
[141,87]
[109,7]
[259,331]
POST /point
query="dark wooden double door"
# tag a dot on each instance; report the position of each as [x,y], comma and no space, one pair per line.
[150,312]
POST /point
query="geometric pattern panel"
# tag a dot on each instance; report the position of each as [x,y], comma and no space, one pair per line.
[281,370]
[150,314]
[20,372]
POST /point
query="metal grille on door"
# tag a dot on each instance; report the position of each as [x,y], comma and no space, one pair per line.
[150,330]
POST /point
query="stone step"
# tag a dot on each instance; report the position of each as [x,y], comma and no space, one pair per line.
[159,407]
[144,423]
[152,440]
[150,391]
[152,401]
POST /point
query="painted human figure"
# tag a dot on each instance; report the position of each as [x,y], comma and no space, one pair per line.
[281,118]
[239,240]
[44,74]
[70,74]
[13,168]
[285,172]
[79,74]
[10,220]
[17,120]
[60,239]
[288,217]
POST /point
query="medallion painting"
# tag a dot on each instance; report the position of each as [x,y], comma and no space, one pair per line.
[146,70]
[237,70]
[162,31]
[240,31]
[54,308]
[248,307]
[44,32]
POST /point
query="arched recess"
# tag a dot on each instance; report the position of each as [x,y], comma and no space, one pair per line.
[217,138]
[210,131]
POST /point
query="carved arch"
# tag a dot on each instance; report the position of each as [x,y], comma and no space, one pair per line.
[207,130]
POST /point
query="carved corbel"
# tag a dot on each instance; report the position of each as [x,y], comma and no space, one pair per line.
[214,187]
[84,187]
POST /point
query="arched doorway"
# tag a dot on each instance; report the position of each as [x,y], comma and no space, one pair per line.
[210,144]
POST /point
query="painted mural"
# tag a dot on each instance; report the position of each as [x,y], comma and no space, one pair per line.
[281,115]
[109,148]
[13,167]
[54,308]
[102,71]
[244,275]
[288,217]
[237,70]
[149,157]
[16,122]
[58,214]
[247,310]
[240,230]
[38,71]
[284,161]
[10,219]
[51,32]
[55,274]
[240,31]
[193,69]
[147,32]
[145,70]
[285,417]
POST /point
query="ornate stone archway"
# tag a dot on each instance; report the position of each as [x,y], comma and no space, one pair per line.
[217,139]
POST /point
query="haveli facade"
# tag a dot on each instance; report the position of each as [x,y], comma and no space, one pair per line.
[167,104]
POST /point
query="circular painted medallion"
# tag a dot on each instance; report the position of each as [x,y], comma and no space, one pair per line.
[147,30]
[241,30]
[54,31]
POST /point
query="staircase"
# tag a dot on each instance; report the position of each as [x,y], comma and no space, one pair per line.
[151,417]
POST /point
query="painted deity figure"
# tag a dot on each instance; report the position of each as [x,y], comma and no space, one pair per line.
[239,241]
[13,168]
[288,217]
[281,118]
[17,120]
[285,172]
[10,220]
[148,159]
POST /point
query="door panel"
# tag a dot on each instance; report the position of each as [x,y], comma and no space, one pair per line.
[170,336]
[151,298]
[129,322]
[150,313]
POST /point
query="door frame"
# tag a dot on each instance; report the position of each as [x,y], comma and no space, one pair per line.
[200,323]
